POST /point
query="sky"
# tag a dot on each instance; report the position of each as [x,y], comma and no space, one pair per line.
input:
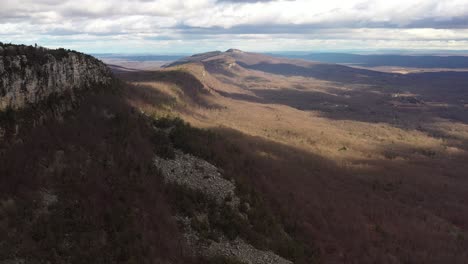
[190,26]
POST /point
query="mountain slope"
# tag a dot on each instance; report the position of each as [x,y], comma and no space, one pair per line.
[373,95]
[283,66]
[83,180]
[78,183]
[369,170]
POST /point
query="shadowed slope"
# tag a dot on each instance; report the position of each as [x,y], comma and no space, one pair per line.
[189,85]
[83,189]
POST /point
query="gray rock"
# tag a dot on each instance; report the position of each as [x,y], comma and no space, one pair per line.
[236,249]
[244,252]
[197,174]
[48,198]
[23,83]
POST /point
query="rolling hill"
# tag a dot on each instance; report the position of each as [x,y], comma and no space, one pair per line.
[369,166]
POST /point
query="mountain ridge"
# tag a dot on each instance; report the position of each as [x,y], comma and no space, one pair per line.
[82,169]
[364,148]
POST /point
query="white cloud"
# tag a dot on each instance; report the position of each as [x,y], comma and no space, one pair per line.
[287,24]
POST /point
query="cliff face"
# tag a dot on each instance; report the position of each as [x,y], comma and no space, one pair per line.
[29,77]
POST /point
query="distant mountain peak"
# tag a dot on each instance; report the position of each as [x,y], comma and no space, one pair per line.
[234,51]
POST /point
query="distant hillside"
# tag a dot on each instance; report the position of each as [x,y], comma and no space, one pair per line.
[367,166]
[194,58]
[277,65]
[227,63]
[140,58]
[415,61]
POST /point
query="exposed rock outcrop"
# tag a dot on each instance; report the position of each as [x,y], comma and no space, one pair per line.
[199,175]
[29,75]
[236,249]
[244,252]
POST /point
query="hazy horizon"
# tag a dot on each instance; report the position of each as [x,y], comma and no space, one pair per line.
[292,52]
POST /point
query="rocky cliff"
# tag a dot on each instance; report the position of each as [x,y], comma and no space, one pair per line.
[30,74]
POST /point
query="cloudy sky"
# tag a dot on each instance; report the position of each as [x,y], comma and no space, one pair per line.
[187,26]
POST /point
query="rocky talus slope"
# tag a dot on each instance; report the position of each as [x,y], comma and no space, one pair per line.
[29,75]
[200,176]
[197,174]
